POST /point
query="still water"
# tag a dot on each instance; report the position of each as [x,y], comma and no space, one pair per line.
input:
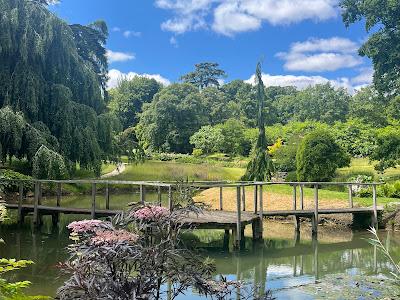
[339,265]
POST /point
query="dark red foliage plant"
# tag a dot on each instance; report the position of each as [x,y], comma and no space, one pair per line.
[139,255]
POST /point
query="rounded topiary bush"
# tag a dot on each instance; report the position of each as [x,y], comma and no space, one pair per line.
[318,157]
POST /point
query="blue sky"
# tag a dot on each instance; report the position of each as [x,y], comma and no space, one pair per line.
[301,42]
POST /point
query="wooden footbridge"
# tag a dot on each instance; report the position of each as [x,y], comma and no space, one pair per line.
[210,219]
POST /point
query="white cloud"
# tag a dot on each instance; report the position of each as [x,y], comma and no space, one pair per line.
[114,56]
[116,29]
[114,76]
[336,44]
[321,55]
[229,17]
[301,82]
[228,20]
[130,33]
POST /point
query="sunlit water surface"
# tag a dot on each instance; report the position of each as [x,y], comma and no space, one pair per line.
[339,265]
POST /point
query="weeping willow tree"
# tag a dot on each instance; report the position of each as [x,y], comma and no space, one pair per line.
[56,74]
[260,167]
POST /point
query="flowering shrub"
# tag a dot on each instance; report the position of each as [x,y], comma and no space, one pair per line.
[84,226]
[137,255]
[150,213]
[110,237]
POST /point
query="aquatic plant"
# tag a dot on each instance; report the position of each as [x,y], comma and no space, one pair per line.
[377,242]
[139,254]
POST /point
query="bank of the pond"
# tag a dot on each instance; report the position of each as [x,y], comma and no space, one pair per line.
[291,269]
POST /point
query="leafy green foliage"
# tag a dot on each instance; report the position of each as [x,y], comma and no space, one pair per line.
[55,74]
[129,96]
[234,139]
[356,137]
[205,74]
[174,115]
[9,181]
[208,139]
[11,131]
[48,164]
[366,105]
[383,46]
[387,151]
[285,156]
[318,157]
[321,102]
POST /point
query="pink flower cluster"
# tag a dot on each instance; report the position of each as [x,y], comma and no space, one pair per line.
[84,226]
[151,213]
[108,237]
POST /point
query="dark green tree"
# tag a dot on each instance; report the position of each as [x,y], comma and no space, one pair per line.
[12,127]
[205,74]
[367,105]
[174,115]
[53,73]
[321,102]
[383,46]
[129,96]
[260,167]
[244,95]
[387,152]
[318,157]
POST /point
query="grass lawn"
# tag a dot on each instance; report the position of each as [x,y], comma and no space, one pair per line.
[172,171]
[279,197]
[363,166]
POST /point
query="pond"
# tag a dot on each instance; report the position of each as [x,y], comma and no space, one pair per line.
[339,265]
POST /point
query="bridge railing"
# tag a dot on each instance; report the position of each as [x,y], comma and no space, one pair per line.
[37,187]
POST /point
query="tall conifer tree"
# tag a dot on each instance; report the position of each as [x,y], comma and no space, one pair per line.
[260,167]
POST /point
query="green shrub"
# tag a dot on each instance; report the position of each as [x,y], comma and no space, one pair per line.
[319,156]
[390,190]
[48,164]
[197,152]
[285,156]
[10,185]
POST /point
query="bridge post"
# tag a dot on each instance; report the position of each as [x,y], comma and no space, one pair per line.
[107,196]
[375,207]
[255,198]
[20,198]
[301,196]
[220,198]
[350,196]
[142,194]
[59,192]
[261,210]
[238,237]
[36,219]
[244,197]
[314,219]
[159,195]
[294,196]
[93,210]
[170,204]
[40,193]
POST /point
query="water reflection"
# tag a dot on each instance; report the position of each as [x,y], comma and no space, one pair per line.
[280,263]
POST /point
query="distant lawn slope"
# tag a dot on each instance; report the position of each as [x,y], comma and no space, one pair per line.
[172,171]
[363,166]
